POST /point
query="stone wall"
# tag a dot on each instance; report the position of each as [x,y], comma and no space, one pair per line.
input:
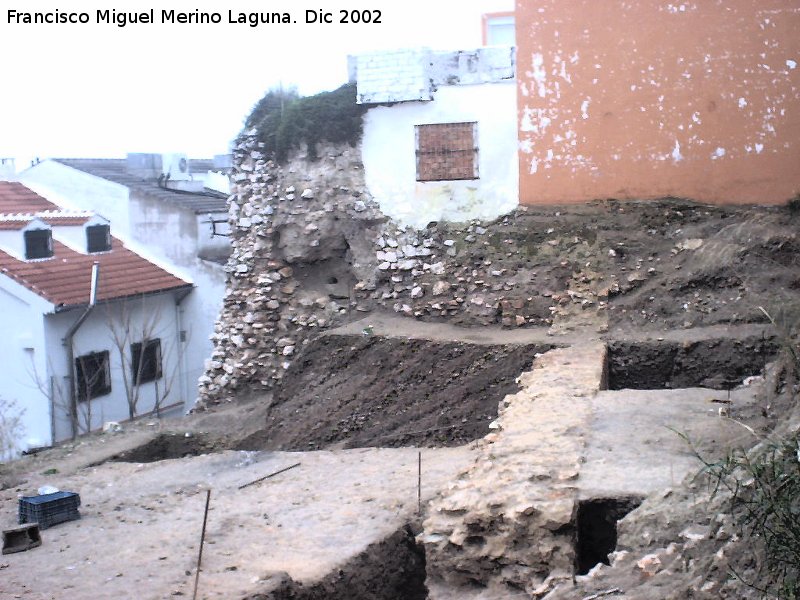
[301,247]
[311,250]
[508,522]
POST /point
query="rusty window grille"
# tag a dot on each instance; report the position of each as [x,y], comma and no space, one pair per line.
[447,151]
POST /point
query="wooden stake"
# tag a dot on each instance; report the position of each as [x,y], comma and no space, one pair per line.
[202,541]
[419,483]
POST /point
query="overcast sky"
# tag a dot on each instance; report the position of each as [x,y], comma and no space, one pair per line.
[97,90]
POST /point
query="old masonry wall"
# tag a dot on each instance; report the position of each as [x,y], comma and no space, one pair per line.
[311,250]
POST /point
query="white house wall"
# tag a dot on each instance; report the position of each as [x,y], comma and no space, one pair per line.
[22,354]
[389,156]
[95,335]
[167,232]
[172,236]
[167,235]
[199,313]
[71,188]
[213,247]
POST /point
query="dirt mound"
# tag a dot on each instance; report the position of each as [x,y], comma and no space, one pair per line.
[658,264]
[372,391]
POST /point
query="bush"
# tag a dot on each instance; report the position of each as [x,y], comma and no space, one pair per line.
[284,120]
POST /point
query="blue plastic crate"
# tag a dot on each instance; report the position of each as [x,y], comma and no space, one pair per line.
[49,509]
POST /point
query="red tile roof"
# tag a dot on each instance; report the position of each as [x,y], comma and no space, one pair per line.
[65,279]
[16,222]
[15,198]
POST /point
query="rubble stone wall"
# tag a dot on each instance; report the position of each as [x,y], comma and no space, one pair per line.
[311,250]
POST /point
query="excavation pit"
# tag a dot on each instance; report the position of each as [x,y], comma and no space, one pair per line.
[168,446]
[597,529]
[389,569]
[720,364]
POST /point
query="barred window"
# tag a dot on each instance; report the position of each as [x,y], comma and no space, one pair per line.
[447,151]
[146,361]
[93,376]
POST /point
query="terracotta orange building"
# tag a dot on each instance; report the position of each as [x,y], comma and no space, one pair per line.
[652,98]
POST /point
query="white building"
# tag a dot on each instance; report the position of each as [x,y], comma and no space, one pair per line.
[440,132]
[169,209]
[71,358]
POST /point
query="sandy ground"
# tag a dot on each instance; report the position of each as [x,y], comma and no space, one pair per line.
[635,444]
[139,532]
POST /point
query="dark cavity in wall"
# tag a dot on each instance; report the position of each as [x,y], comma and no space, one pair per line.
[392,569]
[331,279]
[720,364]
[597,529]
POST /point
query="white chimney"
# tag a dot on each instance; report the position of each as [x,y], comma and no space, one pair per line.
[8,171]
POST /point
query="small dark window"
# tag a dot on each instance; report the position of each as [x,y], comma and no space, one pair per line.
[92,375]
[146,361]
[98,238]
[38,243]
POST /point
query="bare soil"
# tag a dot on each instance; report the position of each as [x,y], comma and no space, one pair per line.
[664,265]
[374,391]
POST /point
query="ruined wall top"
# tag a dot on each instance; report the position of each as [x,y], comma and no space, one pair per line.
[414,74]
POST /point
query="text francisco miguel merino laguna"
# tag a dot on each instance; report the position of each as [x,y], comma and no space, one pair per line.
[252,19]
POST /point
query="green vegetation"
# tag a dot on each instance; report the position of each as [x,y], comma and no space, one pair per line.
[764,491]
[285,121]
[762,486]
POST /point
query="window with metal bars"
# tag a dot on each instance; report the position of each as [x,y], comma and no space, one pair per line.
[92,375]
[146,361]
[447,151]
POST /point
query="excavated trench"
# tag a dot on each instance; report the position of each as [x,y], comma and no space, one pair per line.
[358,391]
[720,364]
[168,446]
[391,569]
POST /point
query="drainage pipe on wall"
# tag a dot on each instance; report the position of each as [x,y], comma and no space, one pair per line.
[67,341]
[181,344]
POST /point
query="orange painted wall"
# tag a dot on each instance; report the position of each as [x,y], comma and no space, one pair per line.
[645,99]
